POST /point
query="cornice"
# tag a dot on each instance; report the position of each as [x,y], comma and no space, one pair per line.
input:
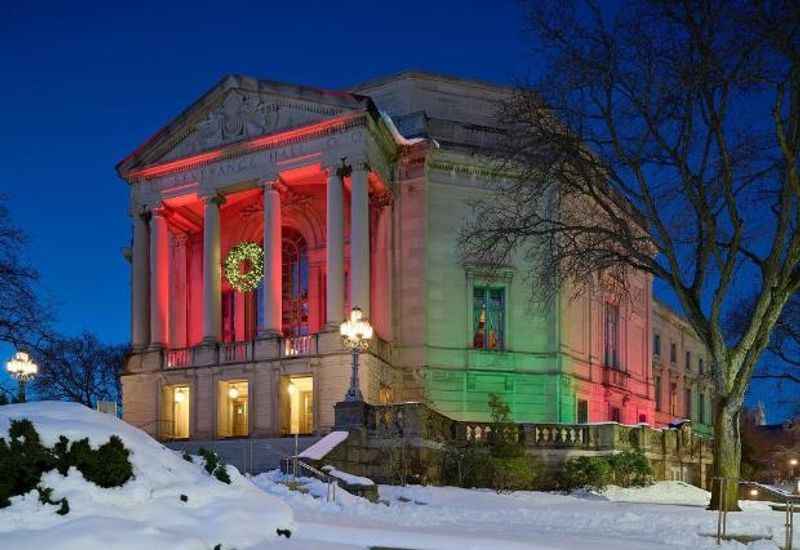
[337,125]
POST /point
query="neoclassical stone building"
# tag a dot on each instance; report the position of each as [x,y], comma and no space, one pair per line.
[356,199]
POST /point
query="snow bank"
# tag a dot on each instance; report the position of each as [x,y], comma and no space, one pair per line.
[661,492]
[274,483]
[147,511]
[325,445]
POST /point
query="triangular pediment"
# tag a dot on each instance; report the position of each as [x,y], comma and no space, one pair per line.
[237,109]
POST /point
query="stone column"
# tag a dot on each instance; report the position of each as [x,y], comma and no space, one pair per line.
[335,248]
[159,280]
[273,244]
[212,269]
[359,238]
[140,283]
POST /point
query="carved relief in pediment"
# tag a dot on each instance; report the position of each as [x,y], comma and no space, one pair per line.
[245,115]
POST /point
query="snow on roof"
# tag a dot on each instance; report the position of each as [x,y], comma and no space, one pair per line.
[398,137]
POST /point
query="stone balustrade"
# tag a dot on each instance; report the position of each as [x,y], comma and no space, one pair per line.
[674,453]
[245,351]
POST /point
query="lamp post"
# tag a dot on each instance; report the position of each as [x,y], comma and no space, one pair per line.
[793,463]
[356,333]
[22,369]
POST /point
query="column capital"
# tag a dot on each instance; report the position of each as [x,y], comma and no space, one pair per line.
[381,199]
[358,160]
[360,165]
[139,211]
[272,185]
[157,209]
[213,198]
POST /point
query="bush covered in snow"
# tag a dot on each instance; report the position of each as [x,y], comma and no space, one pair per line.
[23,460]
[215,465]
[166,503]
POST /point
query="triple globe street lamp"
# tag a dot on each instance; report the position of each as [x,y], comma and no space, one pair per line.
[23,369]
[356,333]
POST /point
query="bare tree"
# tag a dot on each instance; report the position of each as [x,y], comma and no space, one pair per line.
[23,319]
[662,138]
[80,369]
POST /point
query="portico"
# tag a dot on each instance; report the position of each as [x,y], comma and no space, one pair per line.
[303,190]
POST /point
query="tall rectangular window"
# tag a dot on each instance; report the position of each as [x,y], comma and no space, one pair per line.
[616,415]
[228,316]
[701,408]
[488,317]
[657,344]
[673,399]
[658,393]
[583,411]
[688,361]
[673,352]
[687,403]
[700,366]
[612,336]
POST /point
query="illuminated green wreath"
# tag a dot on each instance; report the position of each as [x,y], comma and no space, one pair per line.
[244,266]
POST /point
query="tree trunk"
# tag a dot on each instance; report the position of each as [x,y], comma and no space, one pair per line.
[727,456]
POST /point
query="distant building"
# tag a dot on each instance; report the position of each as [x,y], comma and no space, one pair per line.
[682,372]
[356,197]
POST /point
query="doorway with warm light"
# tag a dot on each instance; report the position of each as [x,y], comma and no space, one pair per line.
[297,405]
[233,410]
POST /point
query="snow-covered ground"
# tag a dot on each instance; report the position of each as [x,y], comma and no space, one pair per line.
[667,515]
[147,512]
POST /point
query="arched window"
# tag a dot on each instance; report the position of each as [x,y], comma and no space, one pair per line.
[294,283]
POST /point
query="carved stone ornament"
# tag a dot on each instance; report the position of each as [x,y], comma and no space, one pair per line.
[240,116]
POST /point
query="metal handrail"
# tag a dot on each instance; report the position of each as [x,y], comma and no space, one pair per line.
[331,482]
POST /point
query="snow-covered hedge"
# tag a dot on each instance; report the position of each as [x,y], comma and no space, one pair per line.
[147,511]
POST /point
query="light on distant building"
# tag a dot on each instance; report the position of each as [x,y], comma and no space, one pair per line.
[233,392]
[753,492]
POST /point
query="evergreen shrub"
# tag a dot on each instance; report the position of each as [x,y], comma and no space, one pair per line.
[23,460]
[595,473]
[214,465]
[630,469]
[585,472]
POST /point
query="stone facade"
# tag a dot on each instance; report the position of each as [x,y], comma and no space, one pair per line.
[682,372]
[370,187]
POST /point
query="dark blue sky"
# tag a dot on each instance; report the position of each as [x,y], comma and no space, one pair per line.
[86,83]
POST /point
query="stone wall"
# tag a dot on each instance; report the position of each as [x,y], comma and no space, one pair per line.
[406,442]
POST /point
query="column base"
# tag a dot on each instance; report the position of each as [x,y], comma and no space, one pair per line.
[156,346]
[138,348]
